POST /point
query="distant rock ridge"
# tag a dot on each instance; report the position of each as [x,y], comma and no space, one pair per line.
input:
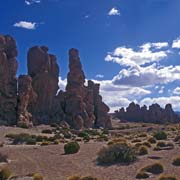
[33,99]
[155,114]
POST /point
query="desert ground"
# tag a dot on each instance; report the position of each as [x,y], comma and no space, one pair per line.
[53,164]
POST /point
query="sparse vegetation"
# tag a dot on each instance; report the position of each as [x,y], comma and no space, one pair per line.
[156,168]
[167,177]
[5,174]
[3,158]
[176,161]
[152,140]
[37,176]
[116,153]
[142,175]
[71,147]
[160,135]
[142,151]
[47,131]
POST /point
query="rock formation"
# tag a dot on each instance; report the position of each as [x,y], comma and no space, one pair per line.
[26,98]
[44,71]
[155,114]
[36,101]
[83,105]
[8,81]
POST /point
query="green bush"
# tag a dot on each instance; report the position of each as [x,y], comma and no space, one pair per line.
[142,151]
[5,174]
[152,140]
[160,135]
[161,144]
[116,153]
[156,168]
[71,147]
[74,178]
[168,177]
[176,161]
[88,178]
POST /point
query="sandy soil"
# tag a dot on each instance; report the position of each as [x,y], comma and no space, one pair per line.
[51,162]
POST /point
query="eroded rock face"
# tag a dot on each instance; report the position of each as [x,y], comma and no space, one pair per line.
[26,98]
[8,81]
[43,69]
[155,114]
[83,105]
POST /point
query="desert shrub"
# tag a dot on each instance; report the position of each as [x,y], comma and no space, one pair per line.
[67,135]
[143,135]
[152,140]
[136,140]
[5,174]
[92,132]
[156,168]
[176,161]
[116,153]
[23,125]
[142,175]
[161,144]
[102,137]
[117,140]
[37,176]
[147,144]
[71,147]
[47,131]
[3,158]
[142,151]
[74,178]
[177,138]
[88,178]
[105,131]
[56,141]
[160,135]
[40,138]
[45,143]
[157,148]
[83,134]
[167,177]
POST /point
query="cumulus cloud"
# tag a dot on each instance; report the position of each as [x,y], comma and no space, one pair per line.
[147,76]
[26,25]
[162,101]
[30,2]
[146,54]
[62,83]
[176,91]
[176,43]
[99,76]
[114,12]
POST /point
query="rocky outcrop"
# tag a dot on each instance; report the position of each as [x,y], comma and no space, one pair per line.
[83,104]
[34,99]
[26,98]
[8,81]
[44,71]
[155,114]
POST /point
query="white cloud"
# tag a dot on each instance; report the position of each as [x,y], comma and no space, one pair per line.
[129,57]
[114,12]
[162,101]
[176,43]
[62,83]
[176,91]
[147,76]
[161,90]
[99,76]
[30,2]
[26,25]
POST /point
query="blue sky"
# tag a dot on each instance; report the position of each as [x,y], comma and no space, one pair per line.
[131,47]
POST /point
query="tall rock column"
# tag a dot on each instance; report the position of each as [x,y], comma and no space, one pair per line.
[44,70]
[8,81]
[100,110]
[75,108]
[26,97]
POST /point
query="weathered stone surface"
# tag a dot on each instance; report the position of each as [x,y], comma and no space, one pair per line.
[26,97]
[155,114]
[8,81]
[83,105]
[43,69]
